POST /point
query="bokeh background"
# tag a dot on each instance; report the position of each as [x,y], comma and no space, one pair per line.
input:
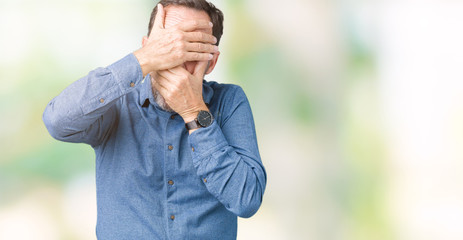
[358,106]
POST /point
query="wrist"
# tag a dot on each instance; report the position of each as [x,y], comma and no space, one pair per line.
[190,117]
[193,114]
[144,61]
[204,119]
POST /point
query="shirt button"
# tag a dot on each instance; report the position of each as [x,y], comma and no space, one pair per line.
[172,217]
[170,182]
[172,116]
[101,100]
[132,84]
[205,180]
[170,147]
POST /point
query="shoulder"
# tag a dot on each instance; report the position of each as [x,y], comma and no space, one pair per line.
[227,100]
[226,92]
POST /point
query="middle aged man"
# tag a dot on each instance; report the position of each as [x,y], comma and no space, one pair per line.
[176,156]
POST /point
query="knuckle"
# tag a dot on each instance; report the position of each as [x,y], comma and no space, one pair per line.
[181,36]
[178,35]
[199,46]
[203,36]
[180,45]
[179,54]
[175,28]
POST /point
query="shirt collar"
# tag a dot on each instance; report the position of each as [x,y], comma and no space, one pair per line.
[147,94]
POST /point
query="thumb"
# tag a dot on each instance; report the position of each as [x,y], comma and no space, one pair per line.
[200,69]
[160,17]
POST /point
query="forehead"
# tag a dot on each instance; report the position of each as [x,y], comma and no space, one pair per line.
[177,14]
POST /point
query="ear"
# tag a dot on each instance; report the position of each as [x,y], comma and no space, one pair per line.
[144,41]
[212,62]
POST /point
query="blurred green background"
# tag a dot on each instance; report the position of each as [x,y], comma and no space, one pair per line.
[357,104]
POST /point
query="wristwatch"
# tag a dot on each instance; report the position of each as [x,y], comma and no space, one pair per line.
[204,119]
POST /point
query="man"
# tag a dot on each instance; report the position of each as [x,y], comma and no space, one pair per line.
[176,156]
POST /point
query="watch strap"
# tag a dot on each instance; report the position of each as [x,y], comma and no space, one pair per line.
[192,125]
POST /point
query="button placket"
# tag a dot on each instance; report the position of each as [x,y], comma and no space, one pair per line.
[172,150]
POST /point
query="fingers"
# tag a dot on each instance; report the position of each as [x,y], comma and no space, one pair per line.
[173,77]
[178,71]
[189,26]
[155,82]
[200,37]
[201,47]
[195,56]
[161,85]
[160,17]
[171,74]
[200,70]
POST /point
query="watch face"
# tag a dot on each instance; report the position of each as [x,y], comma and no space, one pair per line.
[204,118]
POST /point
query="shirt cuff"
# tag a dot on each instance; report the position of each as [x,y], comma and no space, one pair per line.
[127,72]
[205,141]
[112,82]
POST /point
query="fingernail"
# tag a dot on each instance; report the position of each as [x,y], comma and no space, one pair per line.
[210,56]
[211,24]
[215,40]
[216,48]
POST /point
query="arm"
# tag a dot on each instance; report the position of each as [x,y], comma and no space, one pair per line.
[85,110]
[227,159]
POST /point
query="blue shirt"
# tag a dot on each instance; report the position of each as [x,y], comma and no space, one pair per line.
[155,180]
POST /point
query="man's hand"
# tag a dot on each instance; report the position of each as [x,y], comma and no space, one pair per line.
[168,48]
[181,90]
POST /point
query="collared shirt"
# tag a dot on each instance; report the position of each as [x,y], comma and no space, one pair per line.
[155,180]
